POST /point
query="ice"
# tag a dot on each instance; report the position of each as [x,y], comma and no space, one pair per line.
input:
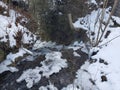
[31,76]
[52,64]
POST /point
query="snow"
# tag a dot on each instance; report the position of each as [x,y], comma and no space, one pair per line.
[31,76]
[71,87]
[8,29]
[110,54]
[78,25]
[29,52]
[91,23]
[93,1]
[116,19]
[48,87]
[11,31]
[42,44]
[3,4]
[83,77]
[52,64]
[88,77]
[82,81]
[76,54]
[76,45]
[4,66]
[108,51]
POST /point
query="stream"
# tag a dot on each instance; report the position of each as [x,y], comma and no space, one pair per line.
[61,79]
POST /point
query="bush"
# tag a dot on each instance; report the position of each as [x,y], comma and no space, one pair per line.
[57,28]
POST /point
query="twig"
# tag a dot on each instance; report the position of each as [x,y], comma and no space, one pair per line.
[109,41]
[102,18]
[113,9]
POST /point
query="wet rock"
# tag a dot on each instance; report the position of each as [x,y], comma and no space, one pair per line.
[107,34]
[94,53]
[103,78]
[92,60]
[101,60]
[106,63]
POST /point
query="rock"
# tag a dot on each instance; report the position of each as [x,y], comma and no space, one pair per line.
[103,78]
[101,60]
[92,60]
[106,63]
[94,53]
[107,34]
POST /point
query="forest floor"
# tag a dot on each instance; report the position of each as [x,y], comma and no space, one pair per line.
[49,66]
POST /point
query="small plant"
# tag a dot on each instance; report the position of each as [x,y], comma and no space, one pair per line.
[4,48]
[18,37]
[100,19]
[4,11]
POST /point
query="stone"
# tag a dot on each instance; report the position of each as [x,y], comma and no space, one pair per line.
[103,78]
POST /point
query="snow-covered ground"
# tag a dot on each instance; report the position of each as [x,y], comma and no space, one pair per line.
[11,31]
[102,74]
[105,70]
[8,30]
